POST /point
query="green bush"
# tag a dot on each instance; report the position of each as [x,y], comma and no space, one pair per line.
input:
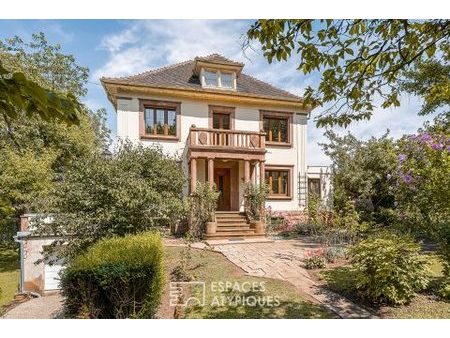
[255,200]
[444,291]
[120,277]
[388,268]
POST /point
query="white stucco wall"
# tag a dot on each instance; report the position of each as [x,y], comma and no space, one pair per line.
[247,118]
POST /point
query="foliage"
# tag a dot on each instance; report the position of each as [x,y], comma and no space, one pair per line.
[444,291]
[423,183]
[359,60]
[34,153]
[255,200]
[135,190]
[116,278]
[431,81]
[203,204]
[44,64]
[314,204]
[19,94]
[363,171]
[25,178]
[388,268]
[333,253]
[348,219]
[314,259]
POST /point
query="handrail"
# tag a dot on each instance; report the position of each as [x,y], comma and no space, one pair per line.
[224,138]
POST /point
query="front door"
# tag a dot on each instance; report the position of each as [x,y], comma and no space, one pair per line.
[222,180]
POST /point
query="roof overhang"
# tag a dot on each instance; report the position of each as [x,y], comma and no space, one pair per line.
[116,88]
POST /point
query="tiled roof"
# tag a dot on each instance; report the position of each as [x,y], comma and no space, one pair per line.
[181,76]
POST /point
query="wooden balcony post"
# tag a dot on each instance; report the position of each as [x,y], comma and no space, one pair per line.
[211,171]
[262,172]
[193,174]
[262,139]
[246,171]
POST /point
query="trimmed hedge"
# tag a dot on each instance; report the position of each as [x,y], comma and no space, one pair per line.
[120,277]
[389,268]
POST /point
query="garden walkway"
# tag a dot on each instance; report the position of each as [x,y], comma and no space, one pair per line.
[48,307]
[282,259]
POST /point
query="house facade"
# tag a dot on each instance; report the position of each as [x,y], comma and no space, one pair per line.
[227,128]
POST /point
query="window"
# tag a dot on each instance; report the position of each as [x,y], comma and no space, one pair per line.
[218,79]
[278,181]
[226,80]
[276,129]
[221,121]
[211,78]
[314,186]
[159,119]
[277,126]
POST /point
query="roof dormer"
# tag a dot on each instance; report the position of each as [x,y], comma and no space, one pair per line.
[217,72]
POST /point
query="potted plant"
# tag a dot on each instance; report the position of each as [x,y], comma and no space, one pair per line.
[206,203]
[255,199]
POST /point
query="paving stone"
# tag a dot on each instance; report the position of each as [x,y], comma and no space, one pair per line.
[282,259]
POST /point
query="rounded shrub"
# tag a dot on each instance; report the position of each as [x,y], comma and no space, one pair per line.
[388,268]
[119,277]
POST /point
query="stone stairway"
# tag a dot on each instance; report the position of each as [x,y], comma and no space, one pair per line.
[233,225]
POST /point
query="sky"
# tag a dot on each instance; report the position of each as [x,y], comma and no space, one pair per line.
[127,47]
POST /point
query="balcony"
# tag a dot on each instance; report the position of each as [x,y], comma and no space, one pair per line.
[226,143]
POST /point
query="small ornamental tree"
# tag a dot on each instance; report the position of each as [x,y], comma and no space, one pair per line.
[203,204]
[255,199]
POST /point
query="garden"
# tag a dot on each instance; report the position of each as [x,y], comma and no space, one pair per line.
[384,236]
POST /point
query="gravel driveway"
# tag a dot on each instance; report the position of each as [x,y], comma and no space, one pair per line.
[47,307]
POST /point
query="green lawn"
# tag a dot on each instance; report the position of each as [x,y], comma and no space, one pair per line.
[9,274]
[424,305]
[212,267]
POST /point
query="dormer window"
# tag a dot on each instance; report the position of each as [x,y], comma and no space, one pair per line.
[218,79]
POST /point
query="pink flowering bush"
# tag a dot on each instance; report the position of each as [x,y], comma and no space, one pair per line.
[422,189]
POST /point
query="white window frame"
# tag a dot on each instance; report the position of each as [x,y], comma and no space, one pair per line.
[218,79]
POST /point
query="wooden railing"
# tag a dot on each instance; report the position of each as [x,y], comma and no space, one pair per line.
[221,138]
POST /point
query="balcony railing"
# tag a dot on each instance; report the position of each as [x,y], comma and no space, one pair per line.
[222,139]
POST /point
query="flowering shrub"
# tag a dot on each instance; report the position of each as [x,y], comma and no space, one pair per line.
[284,222]
[314,259]
[423,183]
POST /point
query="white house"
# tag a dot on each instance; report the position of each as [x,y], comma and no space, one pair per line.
[228,128]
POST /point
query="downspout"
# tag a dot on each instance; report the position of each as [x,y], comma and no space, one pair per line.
[21,282]
[18,238]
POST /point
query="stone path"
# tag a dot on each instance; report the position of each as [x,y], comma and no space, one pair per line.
[48,307]
[282,259]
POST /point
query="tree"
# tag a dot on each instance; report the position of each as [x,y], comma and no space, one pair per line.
[359,60]
[34,151]
[422,190]
[135,190]
[431,81]
[363,171]
[19,94]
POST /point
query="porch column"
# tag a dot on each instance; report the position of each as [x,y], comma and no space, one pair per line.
[262,172]
[246,171]
[193,174]
[211,171]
